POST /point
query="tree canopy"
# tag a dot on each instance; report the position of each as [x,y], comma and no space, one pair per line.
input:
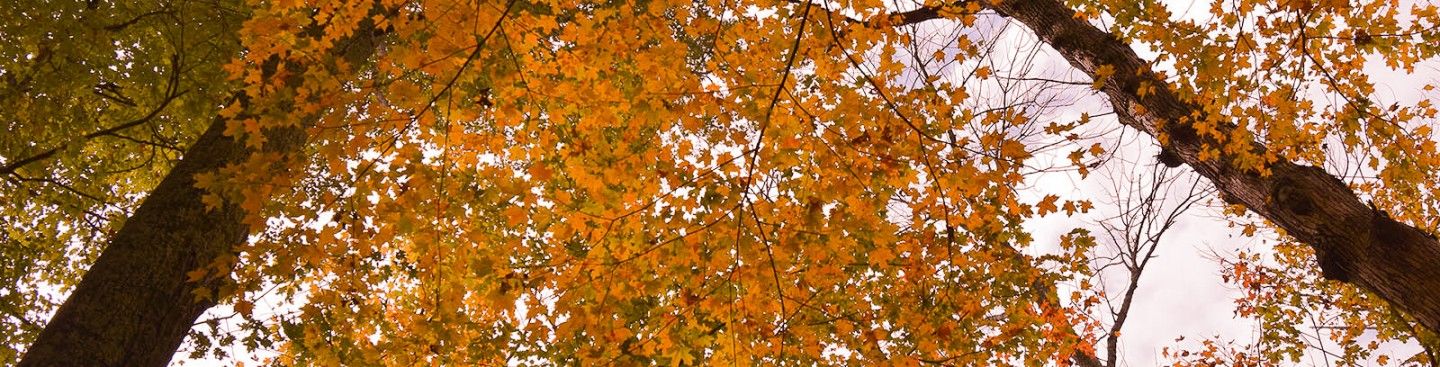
[707,181]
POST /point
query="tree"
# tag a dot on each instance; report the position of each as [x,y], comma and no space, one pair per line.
[140,297]
[98,102]
[671,182]
[1149,200]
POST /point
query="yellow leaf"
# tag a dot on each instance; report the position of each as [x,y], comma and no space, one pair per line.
[1101,74]
[1069,207]
[1047,205]
[195,275]
[515,215]
[244,307]
[212,201]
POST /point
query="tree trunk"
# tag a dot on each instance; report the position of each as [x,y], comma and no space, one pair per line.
[1353,242]
[134,306]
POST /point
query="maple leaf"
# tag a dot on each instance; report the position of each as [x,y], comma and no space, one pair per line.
[1047,205]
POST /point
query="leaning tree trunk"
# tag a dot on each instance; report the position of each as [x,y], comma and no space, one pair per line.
[135,305]
[1353,242]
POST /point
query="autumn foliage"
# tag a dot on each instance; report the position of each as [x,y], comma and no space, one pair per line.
[709,182]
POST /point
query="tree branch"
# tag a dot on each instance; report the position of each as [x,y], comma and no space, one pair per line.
[170,96]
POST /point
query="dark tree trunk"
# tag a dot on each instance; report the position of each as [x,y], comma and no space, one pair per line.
[1353,242]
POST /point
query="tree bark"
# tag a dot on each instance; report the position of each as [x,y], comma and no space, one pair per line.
[1353,242]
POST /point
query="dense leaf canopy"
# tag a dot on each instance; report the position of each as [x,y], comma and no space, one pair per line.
[691,182]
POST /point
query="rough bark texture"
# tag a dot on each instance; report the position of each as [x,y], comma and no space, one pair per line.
[1353,242]
[134,306]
